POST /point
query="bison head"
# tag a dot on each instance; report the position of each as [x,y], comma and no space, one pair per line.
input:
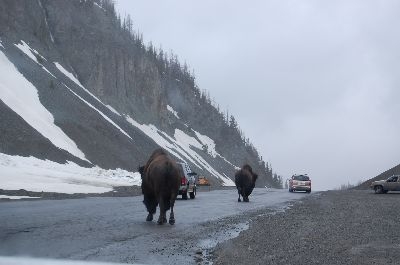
[141,170]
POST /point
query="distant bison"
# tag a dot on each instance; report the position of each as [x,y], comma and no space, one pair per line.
[160,185]
[245,181]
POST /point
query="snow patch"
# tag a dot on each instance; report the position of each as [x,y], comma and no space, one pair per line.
[210,145]
[101,113]
[47,261]
[1,44]
[72,77]
[22,97]
[157,136]
[31,53]
[44,68]
[17,197]
[113,110]
[173,111]
[236,167]
[45,20]
[37,175]
[99,6]
[76,81]
[68,74]
[180,147]
[208,142]
[185,141]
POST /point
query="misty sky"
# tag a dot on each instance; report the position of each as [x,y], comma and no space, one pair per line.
[315,85]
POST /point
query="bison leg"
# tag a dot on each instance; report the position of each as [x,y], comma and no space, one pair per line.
[162,219]
[171,215]
[239,200]
[149,217]
[246,199]
[151,205]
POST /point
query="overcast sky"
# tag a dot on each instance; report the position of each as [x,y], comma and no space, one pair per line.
[320,79]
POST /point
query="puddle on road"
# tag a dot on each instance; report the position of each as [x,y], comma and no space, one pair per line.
[207,245]
[277,210]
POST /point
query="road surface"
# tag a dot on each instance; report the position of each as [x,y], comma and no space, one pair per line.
[114,229]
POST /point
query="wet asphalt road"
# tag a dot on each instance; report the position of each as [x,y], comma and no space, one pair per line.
[114,229]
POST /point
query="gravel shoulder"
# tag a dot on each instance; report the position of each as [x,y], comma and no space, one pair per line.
[332,227]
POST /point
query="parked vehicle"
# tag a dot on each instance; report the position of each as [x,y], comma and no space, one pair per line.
[390,184]
[300,183]
[188,181]
[203,181]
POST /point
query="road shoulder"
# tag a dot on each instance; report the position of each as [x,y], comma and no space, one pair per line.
[333,227]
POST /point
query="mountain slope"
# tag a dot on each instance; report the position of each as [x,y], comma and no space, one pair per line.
[108,99]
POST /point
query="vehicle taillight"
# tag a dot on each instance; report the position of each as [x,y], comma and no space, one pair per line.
[183,181]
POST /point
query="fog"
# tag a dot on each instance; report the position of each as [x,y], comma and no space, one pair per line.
[313,84]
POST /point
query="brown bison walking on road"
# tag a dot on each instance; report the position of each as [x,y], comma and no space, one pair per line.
[160,185]
[245,181]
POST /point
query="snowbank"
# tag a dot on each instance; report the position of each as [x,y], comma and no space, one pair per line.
[33,174]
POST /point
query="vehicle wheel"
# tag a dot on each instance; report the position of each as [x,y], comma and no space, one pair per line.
[193,194]
[184,196]
[308,191]
[378,189]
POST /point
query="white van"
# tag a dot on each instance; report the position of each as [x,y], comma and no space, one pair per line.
[188,181]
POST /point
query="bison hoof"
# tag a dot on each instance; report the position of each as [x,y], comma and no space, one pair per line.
[239,200]
[171,221]
[162,221]
[149,217]
[246,199]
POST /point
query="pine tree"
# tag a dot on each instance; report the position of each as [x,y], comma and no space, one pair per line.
[232,122]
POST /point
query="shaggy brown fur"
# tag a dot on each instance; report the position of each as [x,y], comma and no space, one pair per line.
[160,185]
[245,180]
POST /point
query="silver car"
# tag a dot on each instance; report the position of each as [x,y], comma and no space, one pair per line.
[300,183]
[390,184]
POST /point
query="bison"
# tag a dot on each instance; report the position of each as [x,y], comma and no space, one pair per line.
[160,185]
[245,181]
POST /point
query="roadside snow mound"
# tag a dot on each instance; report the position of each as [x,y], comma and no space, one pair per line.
[37,175]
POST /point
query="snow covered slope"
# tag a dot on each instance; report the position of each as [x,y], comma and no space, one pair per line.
[82,99]
[34,174]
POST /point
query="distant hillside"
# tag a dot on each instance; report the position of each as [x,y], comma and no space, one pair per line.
[99,96]
[393,171]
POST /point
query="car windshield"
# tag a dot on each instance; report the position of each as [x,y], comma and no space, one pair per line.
[301,178]
[393,179]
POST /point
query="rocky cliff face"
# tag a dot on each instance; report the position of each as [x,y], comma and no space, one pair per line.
[120,78]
